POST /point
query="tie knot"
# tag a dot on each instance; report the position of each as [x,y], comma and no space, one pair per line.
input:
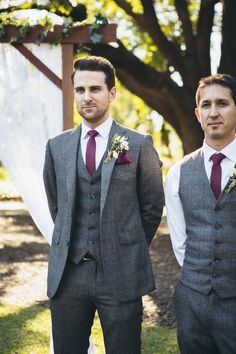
[217,158]
[92,133]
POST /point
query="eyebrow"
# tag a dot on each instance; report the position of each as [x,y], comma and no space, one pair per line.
[92,86]
[217,100]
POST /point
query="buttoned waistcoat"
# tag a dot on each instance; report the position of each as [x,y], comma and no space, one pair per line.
[210,256]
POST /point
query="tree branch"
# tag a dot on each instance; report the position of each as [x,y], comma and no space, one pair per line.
[191,62]
[182,11]
[228,48]
[204,28]
[149,23]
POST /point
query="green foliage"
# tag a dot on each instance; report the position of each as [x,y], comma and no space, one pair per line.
[159,340]
[3,174]
[26,330]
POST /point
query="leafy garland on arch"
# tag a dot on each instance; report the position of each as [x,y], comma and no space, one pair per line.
[24,27]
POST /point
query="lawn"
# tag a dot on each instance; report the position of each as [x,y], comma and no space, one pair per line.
[25,330]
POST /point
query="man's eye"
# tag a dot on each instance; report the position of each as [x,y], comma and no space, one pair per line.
[222,104]
[79,90]
[95,89]
[205,105]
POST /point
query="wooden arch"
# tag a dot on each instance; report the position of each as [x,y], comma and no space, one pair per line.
[75,36]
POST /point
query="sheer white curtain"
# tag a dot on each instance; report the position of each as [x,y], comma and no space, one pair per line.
[30,113]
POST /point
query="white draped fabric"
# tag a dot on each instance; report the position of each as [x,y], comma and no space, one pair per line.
[30,113]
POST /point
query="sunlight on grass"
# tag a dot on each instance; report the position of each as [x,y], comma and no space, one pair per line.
[159,340]
[26,330]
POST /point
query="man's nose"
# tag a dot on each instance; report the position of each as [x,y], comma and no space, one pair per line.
[87,96]
[213,111]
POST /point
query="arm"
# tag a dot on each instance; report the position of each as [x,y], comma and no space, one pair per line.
[50,182]
[175,214]
[150,188]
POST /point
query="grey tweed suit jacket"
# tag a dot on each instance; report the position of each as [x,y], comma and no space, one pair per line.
[131,207]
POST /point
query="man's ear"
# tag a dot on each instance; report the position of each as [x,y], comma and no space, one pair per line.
[112,94]
[197,114]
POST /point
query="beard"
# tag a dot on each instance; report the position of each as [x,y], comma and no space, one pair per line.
[93,114]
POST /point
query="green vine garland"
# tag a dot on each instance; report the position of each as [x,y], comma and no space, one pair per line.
[25,27]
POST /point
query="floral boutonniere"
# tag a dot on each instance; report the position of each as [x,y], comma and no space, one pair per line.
[119,146]
[233,181]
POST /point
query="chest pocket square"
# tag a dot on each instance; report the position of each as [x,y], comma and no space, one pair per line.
[123,159]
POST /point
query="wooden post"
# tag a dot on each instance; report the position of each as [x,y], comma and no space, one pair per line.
[67,88]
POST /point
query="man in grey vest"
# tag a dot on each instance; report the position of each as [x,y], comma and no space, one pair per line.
[105,195]
[201,210]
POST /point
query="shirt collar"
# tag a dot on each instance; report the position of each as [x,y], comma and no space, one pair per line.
[103,129]
[229,151]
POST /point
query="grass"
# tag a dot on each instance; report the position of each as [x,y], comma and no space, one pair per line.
[26,330]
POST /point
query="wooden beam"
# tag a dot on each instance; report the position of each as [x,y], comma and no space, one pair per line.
[39,64]
[80,34]
[67,89]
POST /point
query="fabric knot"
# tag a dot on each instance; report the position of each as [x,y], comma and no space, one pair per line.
[92,133]
[217,158]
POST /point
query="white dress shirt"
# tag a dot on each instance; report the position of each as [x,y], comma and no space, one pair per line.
[175,214]
[101,139]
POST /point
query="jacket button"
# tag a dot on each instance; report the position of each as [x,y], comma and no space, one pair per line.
[217,225]
[92,197]
[217,208]
[90,243]
[217,260]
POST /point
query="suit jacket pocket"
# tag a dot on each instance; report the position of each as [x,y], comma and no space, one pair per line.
[56,236]
[131,236]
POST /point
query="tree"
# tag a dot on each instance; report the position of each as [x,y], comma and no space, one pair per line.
[168,38]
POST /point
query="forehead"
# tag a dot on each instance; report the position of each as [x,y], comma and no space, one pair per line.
[88,78]
[215,92]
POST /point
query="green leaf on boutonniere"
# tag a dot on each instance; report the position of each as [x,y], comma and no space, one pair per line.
[233,181]
[119,145]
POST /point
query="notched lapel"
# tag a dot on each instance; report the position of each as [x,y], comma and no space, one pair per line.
[70,154]
[107,167]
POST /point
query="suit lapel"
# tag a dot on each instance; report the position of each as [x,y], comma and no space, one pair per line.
[107,168]
[70,154]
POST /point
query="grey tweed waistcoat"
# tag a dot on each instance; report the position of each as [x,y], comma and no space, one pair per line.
[86,229]
[210,256]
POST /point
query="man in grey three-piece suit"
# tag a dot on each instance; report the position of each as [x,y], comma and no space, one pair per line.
[104,189]
[201,211]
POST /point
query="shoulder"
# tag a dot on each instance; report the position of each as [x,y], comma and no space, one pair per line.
[192,157]
[60,138]
[134,135]
[174,171]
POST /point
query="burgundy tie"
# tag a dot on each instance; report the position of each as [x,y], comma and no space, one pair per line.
[216,173]
[90,152]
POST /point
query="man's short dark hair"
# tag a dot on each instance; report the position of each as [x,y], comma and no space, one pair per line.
[217,79]
[94,63]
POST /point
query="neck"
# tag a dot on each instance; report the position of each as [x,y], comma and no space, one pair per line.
[95,124]
[218,145]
